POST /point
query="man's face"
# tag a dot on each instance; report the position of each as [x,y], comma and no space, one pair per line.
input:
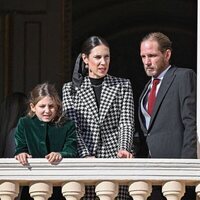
[155,61]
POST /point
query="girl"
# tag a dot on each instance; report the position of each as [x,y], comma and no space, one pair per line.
[44,132]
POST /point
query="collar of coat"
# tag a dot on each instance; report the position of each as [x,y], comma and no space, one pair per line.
[108,81]
[110,88]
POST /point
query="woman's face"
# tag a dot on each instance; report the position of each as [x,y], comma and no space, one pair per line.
[45,109]
[98,61]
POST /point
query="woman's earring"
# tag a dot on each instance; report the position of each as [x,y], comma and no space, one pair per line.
[86,66]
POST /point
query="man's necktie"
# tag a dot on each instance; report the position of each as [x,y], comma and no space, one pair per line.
[152,96]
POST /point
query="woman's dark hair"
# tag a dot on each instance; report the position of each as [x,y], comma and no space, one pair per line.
[12,108]
[91,43]
[79,69]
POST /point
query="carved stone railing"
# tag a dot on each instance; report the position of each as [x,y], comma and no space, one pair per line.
[106,174]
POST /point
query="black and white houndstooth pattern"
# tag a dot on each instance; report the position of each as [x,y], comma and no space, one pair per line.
[101,133]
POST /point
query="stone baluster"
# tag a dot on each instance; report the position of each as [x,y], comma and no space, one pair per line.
[40,190]
[9,190]
[140,190]
[173,190]
[198,191]
[107,190]
[73,190]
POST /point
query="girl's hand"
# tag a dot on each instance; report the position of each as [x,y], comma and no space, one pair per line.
[22,158]
[124,154]
[54,157]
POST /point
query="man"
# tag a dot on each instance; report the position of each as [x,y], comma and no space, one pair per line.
[167,106]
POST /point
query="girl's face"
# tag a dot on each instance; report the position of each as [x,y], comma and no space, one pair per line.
[98,61]
[45,109]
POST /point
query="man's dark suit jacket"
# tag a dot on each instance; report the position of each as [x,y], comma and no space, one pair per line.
[172,131]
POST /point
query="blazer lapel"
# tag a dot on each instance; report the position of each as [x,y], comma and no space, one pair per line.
[109,91]
[86,94]
[165,85]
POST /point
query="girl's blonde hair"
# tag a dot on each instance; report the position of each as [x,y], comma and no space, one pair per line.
[41,91]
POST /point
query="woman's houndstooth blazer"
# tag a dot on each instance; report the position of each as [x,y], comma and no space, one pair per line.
[101,133]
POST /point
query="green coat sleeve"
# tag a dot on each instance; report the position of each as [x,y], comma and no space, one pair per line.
[20,140]
[70,146]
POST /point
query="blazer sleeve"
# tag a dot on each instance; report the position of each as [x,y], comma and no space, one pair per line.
[127,119]
[70,112]
[20,139]
[188,114]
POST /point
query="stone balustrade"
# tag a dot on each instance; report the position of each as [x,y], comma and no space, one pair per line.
[106,174]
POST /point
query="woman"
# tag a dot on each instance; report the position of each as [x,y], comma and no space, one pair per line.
[101,105]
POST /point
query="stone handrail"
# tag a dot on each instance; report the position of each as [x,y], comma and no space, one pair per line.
[73,174]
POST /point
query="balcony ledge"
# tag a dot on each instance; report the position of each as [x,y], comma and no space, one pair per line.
[93,170]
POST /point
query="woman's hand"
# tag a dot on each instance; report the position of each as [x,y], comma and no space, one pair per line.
[22,158]
[124,154]
[54,157]
[89,157]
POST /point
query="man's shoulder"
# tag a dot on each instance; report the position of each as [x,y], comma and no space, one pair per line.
[181,70]
[183,75]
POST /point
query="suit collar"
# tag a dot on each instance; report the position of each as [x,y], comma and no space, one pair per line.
[165,85]
[166,82]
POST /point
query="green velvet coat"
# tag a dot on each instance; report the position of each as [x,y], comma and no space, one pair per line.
[39,138]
